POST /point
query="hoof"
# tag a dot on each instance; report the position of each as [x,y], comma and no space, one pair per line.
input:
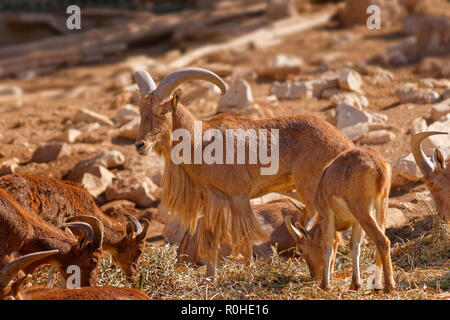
[355,286]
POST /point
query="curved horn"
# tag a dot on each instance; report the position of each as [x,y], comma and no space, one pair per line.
[145,82]
[144,231]
[422,161]
[173,80]
[297,235]
[134,222]
[10,270]
[97,228]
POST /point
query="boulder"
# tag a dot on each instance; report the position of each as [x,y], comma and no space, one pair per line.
[441,109]
[405,171]
[108,159]
[69,136]
[418,125]
[96,180]
[140,190]
[130,130]
[86,115]
[378,137]
[237,97]
[350,80]
[281,66]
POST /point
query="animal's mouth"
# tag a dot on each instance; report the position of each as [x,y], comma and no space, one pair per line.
[144,148]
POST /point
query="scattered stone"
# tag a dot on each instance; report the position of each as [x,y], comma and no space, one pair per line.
[108,159]
[96,180]
[418,125]
[282,66]
[281,91]
[350,80]
[441,109]
[9,166]
[395,218]
[378,137]
[348,115]
[237,97]
[405,171]
[411,93]
[350,98]
[141,191]
[357,131]
[69,136]
[50,152]
[446,94]
[330,116]
[87,115]
[377,74]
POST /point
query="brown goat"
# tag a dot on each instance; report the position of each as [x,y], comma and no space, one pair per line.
[56,201]
[22,232]
[353,192]
[270,216]
[10,290]
[219,190]
[436,173]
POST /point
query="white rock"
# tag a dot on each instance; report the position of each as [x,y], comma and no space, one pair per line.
[282,65]
[353,99]
[410,92]
[141,191]
[356,131]
[405,171]
[441,109]
[378,137]
[237,97]
[350,80]
[126,114]
[434,83]
[69,136]
[50,152]
[395,218]
[9,166]
[418,125]
[281,91]
[441,141]
[87,115]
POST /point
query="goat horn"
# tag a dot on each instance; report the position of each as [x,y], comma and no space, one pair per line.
[292,230]
[95,224]
[10,270]
[145,82]
[134,222]
[422,161]
[143,233]
[83,226]
[173,80]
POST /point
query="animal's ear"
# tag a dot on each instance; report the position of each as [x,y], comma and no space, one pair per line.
[438,160]
[302,230]
[176,98]
[82,241]
[130,230]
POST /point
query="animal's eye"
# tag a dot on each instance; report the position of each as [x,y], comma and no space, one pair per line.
[161,112]
[93,262]
[139,252]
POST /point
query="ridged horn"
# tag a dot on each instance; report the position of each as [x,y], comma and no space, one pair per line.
[297,235]
[173,80]
[11,269]
[83,226]
[145,82]
[96,225]
[143,233]
[422,161]
[137,227]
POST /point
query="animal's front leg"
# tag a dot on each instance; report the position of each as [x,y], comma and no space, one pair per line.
[328,244]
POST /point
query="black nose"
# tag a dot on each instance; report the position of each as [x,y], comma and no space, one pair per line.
[139,145]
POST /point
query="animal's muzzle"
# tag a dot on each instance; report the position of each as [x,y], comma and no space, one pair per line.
[142,147]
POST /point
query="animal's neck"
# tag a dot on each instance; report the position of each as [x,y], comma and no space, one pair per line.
[183,119]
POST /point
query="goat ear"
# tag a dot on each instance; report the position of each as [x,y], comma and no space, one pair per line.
[302,230]
[438,160]
[130,230]
[176,98]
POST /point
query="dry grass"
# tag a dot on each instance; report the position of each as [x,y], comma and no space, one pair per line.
[421,271]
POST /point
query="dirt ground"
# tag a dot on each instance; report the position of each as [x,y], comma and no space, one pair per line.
[47,109]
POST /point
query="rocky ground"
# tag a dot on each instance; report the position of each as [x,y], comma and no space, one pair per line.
[79,123]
